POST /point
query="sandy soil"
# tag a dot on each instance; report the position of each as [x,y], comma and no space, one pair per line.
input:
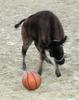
[52,88]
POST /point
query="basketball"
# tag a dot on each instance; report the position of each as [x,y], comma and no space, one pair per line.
[31,80]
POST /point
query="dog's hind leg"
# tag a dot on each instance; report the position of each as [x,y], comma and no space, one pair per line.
[26,43]
[24,51]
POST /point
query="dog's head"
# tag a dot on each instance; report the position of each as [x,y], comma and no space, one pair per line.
[56,50]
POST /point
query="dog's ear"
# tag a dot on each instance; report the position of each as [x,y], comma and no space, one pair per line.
[57,43]
[63,40]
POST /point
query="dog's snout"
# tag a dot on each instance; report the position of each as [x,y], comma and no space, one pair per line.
[60,62]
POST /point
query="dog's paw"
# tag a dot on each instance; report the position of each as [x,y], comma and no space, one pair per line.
[57,72]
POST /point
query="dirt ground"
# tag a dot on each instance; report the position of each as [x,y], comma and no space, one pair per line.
[52,88]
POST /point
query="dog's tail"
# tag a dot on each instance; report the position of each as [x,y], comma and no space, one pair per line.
[18,24]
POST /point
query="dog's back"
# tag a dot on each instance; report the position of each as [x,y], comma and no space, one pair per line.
[42,27]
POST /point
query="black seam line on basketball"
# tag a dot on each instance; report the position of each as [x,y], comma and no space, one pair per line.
[28,81]
[40,78]
[34,79]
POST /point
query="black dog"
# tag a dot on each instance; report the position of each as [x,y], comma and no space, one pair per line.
[45,29]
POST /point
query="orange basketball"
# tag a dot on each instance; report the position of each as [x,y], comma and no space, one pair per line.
[31,80]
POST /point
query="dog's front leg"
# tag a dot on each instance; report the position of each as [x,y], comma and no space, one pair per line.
[57,70]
